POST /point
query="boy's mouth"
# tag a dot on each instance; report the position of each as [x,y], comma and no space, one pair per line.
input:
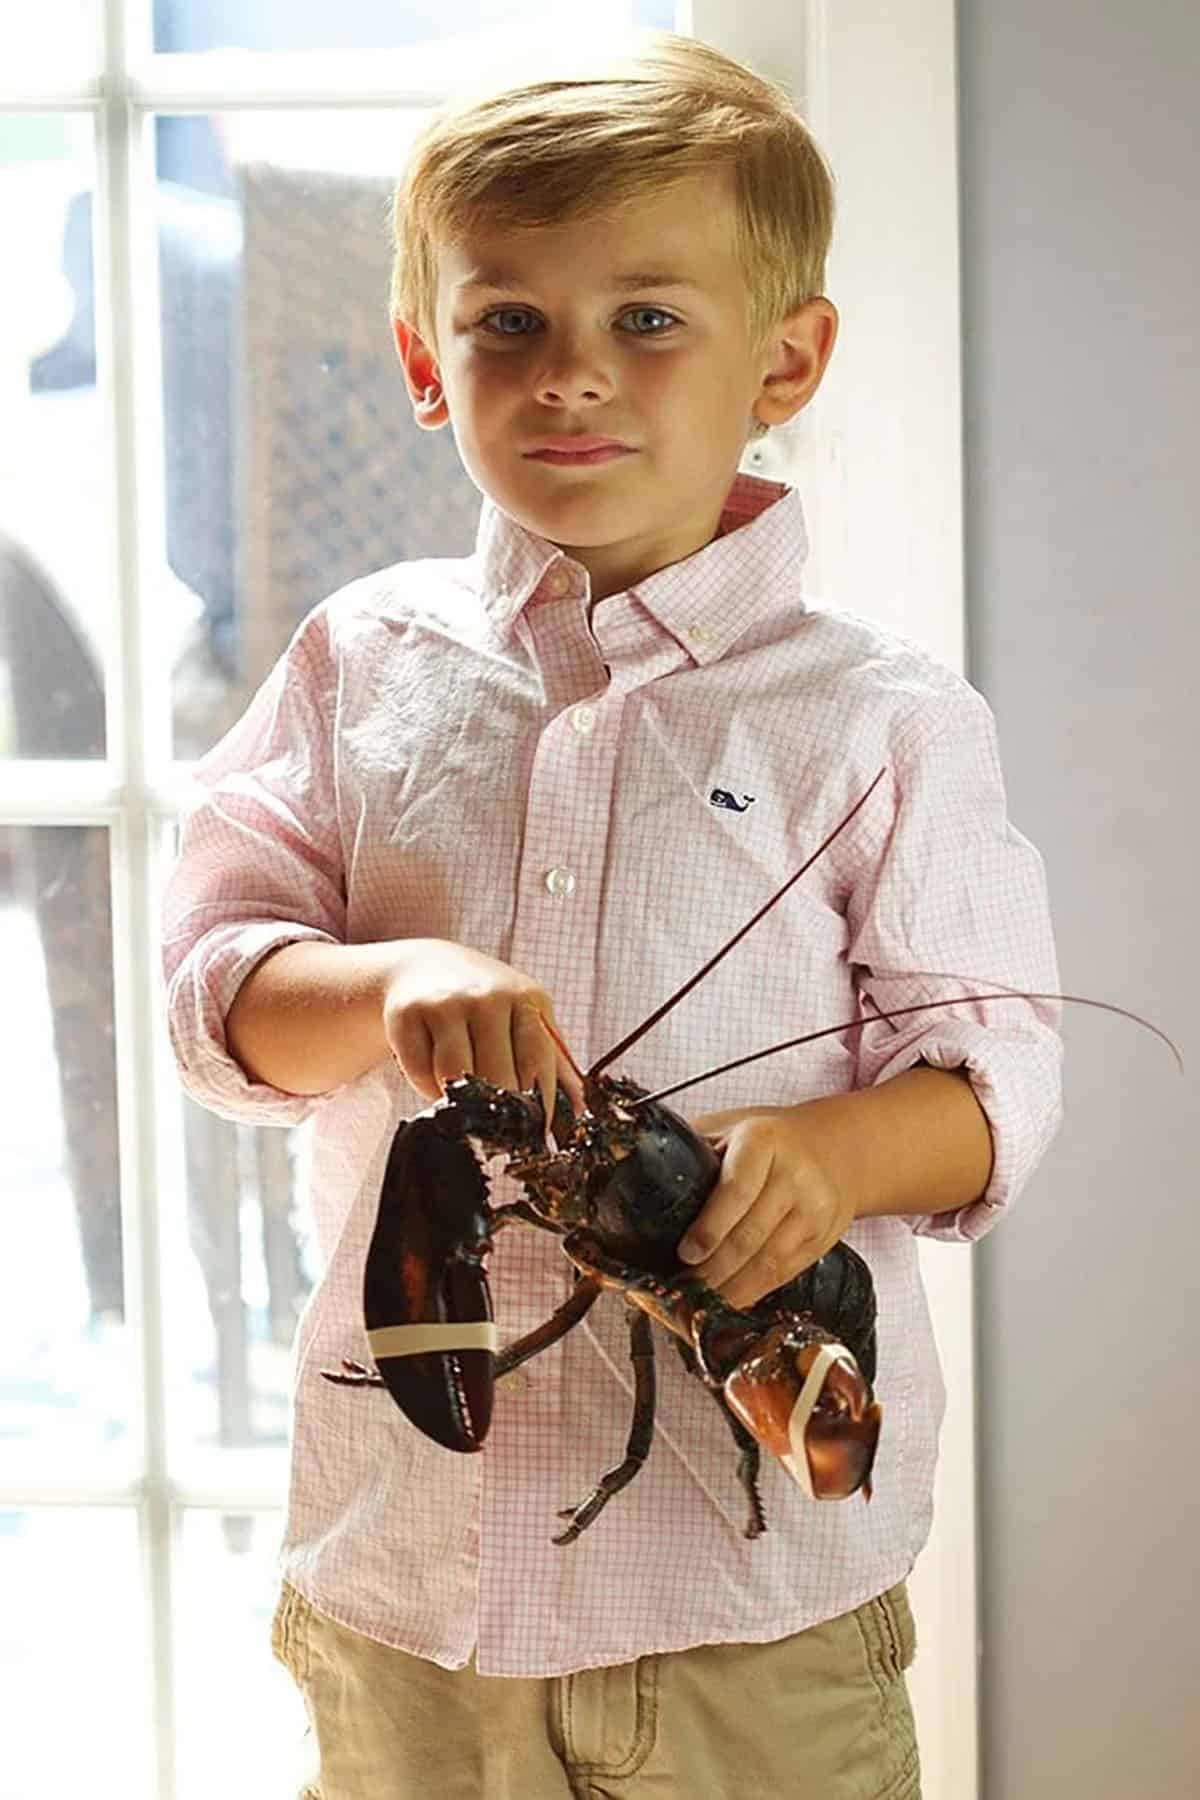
[578,450]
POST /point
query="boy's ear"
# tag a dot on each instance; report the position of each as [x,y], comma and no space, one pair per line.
[795,360]
[422,376]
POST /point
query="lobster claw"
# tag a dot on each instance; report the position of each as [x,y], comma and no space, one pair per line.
[425,1294]
[805,1398]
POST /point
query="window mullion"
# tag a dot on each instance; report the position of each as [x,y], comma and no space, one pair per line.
[138,736]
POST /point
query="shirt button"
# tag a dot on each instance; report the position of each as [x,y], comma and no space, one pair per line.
[514,1383]
[560,882]
[583,720]
[559,583]
[702,634]
[505,604]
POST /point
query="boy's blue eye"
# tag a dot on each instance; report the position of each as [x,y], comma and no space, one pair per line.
[522,313]
[504,312]
[655,312]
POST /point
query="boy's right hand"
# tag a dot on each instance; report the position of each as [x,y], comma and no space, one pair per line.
[450,1011]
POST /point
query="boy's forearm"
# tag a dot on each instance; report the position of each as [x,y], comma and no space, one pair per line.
[309,1017]
[919,1143]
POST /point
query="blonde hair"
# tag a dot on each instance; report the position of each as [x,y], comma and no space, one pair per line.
[617,120]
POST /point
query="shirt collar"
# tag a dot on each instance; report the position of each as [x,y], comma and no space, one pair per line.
[706,601]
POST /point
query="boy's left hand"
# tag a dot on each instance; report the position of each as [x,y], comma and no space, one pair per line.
[777,1205]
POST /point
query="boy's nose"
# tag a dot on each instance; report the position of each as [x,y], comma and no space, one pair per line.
[572,380]
[568,393]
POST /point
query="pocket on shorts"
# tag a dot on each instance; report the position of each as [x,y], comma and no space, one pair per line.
[897,1632]
[889,1642]
[290,1646]
[289,1633]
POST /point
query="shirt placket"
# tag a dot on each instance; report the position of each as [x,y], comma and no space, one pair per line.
[587,673]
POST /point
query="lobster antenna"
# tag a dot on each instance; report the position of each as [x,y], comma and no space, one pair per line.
[898,1012]
[561,1045]
[646,1024]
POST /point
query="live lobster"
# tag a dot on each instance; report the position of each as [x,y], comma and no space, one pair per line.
[793,1375]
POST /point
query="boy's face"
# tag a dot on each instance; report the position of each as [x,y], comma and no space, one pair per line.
[541,338]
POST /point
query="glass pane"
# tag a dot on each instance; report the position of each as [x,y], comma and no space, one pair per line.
[54,528]
[233,1293]
[64,1364]
[372,24]
[227,1587]
[292,461]
[73,1666]
[60,35]
[238,1264]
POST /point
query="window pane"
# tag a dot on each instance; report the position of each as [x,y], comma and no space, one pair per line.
[227,1587]
[238,1264]
[293,464]
[55,33]
[232,1298]
[73,1667]
[64,1365]
[372,24]
[54,530]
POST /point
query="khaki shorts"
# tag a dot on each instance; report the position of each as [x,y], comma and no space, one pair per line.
[823,1715]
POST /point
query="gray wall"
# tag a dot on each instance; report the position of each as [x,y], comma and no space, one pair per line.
[1080,201]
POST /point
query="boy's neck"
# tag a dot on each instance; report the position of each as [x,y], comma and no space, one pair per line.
[615,568]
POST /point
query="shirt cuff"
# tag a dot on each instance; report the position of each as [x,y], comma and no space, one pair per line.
[198,1003]
[1016,1078]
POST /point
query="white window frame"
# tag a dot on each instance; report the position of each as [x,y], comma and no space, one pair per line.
[877,457]
[878,460]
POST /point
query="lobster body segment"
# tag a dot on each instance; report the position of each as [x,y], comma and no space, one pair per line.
[646,1182]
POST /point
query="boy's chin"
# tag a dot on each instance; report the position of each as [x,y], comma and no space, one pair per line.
[586,520]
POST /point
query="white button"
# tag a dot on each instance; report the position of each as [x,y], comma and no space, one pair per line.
[505,604]
[514,1383]
[583,720]
[560,883]
[559,583]
[701,634]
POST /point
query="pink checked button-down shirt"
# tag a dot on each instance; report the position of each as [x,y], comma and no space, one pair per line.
[453,749]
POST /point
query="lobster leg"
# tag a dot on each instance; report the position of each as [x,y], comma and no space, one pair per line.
[564,1318]
[680,1302]
[353,1374]
[520,1209]
[641,1350]
[749,1450]
[749,1460]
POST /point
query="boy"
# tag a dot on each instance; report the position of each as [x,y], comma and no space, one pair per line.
[477,794]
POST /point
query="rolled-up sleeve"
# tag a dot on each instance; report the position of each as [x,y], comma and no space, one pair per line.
[260,865]
[958,901]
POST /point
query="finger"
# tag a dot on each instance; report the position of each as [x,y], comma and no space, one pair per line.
[535,1053]
[412,1047]
[718,1124]
[748,1240]
[571,1086]
[453,1054]
[565,1074]
[745,1171]
[492,1045]
[569,1080]
[785,1254]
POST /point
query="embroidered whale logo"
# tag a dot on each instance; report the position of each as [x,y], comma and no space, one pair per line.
[720,797]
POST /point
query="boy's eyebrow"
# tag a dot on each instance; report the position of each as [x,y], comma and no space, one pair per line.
[507,278]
